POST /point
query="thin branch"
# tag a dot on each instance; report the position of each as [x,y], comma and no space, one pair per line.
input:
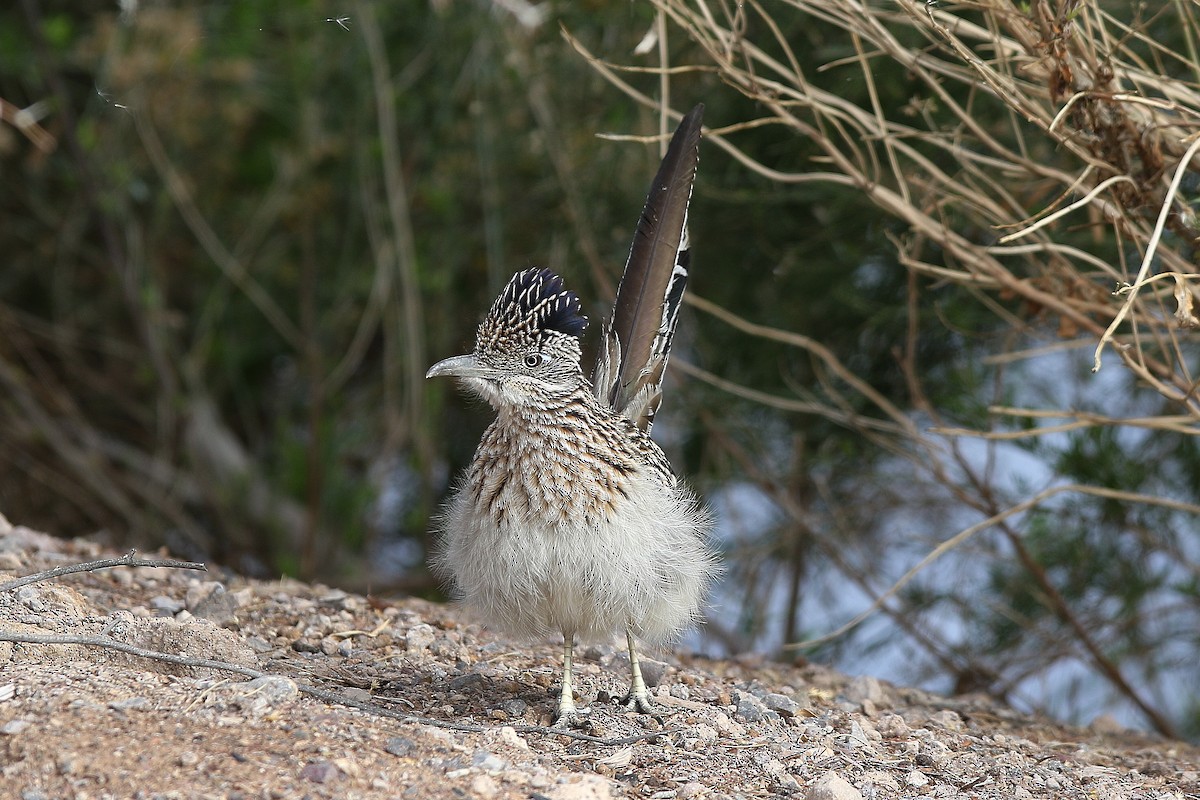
[130,559]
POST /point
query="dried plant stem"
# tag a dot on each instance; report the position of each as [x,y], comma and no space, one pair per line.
[130,559]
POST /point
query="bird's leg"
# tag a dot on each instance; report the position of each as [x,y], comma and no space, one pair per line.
[638,698]
[568,715]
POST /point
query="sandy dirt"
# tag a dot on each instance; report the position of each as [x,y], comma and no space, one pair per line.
[80,721]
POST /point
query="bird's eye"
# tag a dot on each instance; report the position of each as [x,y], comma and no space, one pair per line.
[536,359]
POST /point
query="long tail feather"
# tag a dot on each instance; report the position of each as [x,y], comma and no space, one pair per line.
[637,340]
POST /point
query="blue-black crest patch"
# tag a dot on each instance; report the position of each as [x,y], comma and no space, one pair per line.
[535,301]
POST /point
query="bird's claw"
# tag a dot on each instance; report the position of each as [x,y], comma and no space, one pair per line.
[571,718]
[642,704]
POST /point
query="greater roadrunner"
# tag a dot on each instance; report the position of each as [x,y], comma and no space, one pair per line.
[569,519]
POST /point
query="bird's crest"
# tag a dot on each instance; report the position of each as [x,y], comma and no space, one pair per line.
[637,340]
[533,304]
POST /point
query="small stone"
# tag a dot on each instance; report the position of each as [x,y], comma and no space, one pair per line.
[468,681]
[947,719]
[832,786]
[692,791]
[892,726]
[515,708]
[488,761]
[319,772]
[166,606]
[270,689]
[15,726]
[259,644]
[750,708]
[129,704]
[31,598]
[583,787]
[916,779]
[329,646]
[358,693]
[419,637]
[506,736]
[653,671]
[781,704]
[865,687]
[345,648]
[400,746]
[858,737]
[484,787]
[200,591]
[881,780]
[728,727]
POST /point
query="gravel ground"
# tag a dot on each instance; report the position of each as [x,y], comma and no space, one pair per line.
[448,710]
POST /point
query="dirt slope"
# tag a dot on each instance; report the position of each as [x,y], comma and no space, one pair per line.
[86,722]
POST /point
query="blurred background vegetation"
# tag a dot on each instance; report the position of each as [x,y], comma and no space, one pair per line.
[236,234]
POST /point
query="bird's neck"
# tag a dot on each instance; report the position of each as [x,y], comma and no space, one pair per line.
[549,410]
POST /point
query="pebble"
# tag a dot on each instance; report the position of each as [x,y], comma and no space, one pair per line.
[950,720]
[484,787]
[916,779]
[129,704]
[727,726]
[166,606]
[832,786]
[418,638]
[892,726]
[466,681]
[750,708]
[15,726]
[199,591]
[261,695]
[653,671]
[400,746]
[488,761]
[865,687]
[881,780]
[781,704]
[319,772]
[514,708]
[507,737]
[585,787]
[259,644]
[31,598]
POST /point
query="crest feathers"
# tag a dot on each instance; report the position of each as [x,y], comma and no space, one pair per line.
[534,301]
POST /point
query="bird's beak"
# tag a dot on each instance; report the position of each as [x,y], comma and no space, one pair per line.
[458,367]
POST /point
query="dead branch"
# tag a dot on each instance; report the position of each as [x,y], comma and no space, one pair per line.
[130,559]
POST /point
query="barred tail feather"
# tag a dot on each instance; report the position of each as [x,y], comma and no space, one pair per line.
[637,341]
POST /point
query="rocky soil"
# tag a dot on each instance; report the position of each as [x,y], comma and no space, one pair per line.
[442,709]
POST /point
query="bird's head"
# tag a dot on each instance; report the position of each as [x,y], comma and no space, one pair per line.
[527,347]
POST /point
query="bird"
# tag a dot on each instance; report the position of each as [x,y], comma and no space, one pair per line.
[569,519]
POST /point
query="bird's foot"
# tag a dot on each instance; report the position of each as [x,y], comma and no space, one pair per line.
[642,704]
[571,717]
